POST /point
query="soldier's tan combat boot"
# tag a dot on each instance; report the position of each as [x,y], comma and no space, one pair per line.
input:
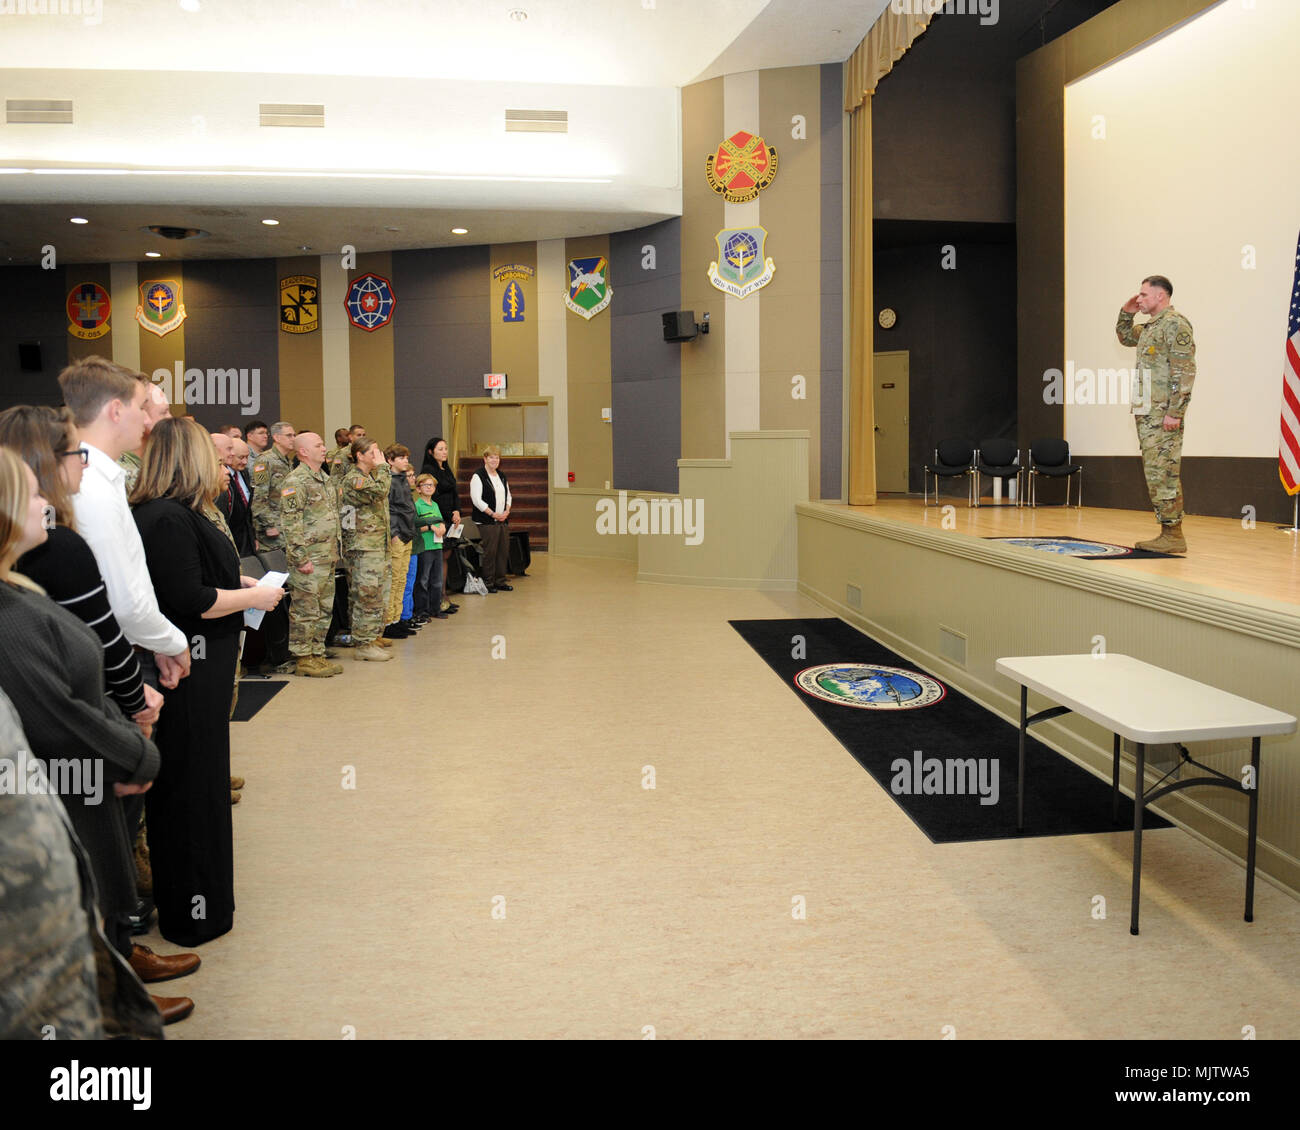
[1171,540]
[337,668]
[379,641]
[313,668]
[372,653]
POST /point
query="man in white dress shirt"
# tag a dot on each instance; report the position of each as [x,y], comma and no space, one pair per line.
[108,403]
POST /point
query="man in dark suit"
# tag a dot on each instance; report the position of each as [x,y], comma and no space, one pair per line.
[235,499]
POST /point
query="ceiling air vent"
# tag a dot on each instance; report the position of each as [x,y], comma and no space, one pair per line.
[292,114]
[537,121]
[39,111]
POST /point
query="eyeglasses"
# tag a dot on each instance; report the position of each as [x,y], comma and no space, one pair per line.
[82,453]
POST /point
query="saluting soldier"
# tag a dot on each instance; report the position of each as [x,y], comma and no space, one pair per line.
[268,474]
[337,461]
[365,543]
[1166,360]
[309,512]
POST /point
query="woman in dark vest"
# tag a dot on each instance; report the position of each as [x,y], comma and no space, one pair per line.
[446,496]
[490,494]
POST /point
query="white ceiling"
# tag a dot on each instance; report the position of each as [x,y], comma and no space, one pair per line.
[468,51]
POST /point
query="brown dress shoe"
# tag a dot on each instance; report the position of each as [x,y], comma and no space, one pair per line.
[235,797]
[236,783]
[150,966]
[173,1008]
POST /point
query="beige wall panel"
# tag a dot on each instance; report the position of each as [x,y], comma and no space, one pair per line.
[573,531]
[124,334]
[101,273]
[302,382]
[336,369]
[704,359]
[591,442]
[790,334]
[514,344]
[742,517]
[552,352]
[370,359]
[1246,646]
[159,352]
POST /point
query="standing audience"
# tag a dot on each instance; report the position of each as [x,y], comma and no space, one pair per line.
[490,494]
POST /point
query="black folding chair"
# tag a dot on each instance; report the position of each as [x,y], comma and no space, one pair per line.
[998,459]
[952,459]
[1050,457]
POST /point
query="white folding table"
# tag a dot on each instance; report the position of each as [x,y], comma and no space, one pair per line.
[1148,705]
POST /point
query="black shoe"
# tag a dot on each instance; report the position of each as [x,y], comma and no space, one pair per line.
[143,916]
[410,625]
[395,632]
[420,620]
[505,588]
[440,616]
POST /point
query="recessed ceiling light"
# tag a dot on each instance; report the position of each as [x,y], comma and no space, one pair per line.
[392,229]
[271,223]
[518,15]
[460,231]
[79,220]
[153,254]
[304,247]
[189,5]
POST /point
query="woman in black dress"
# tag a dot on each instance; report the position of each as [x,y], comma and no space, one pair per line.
[195,571]
[446,495]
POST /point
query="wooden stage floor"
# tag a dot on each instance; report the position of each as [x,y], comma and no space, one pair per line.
[1221,553]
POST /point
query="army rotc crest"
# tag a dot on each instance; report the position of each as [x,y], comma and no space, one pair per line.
[161,309]
[741,167]
[589,289]
[299,304]
[741,268]
[88,311]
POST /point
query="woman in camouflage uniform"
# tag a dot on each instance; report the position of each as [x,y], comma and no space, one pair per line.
[364,510]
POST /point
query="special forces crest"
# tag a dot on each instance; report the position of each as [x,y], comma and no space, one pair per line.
[741,268]
[741,167]
[299,304]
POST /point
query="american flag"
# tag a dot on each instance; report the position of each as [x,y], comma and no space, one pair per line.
[1288,465]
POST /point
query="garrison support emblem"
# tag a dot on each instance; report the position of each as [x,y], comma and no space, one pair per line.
[741,167]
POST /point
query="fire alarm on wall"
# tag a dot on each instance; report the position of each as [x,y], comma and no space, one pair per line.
[572,477]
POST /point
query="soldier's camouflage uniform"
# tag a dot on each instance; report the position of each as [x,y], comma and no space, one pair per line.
[365,544]
[309,517]
[268,472]
[130,463]
[339,461]
[1166,358]
[57,969]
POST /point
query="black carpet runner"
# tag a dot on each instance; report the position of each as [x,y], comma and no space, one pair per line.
[255,694]
[948,763]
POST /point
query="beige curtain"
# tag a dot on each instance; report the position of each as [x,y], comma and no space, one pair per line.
[886,43]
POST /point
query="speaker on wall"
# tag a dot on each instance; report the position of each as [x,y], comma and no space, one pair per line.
[29,356]
[679,325]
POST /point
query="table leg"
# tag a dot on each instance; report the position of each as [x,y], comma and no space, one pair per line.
[1139,789]
[1254,828]
[1114,785]
[1020,784]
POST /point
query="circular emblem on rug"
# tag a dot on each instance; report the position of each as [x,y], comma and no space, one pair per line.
[869,686]
[1068,547]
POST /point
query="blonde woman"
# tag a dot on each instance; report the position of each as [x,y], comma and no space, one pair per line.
[52,672]
[195,571]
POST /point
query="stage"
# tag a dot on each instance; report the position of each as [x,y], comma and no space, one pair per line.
[928,583]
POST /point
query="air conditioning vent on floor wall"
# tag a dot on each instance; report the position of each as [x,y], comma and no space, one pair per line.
[292,114]
[952,646]
[38,111]
[537,121]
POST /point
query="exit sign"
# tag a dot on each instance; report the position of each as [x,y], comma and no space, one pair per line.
[494,380]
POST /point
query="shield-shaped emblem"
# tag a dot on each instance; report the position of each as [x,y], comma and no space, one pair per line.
[741,167]
[512,303]
[299,304]
[742,267]
[589,288]
[88,311]
[370,302]
[161,309]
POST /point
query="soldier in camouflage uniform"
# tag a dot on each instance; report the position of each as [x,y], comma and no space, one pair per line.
[309,511]
[1166,358]
[268,474]
[365,543]
[155,408]
[61,978]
